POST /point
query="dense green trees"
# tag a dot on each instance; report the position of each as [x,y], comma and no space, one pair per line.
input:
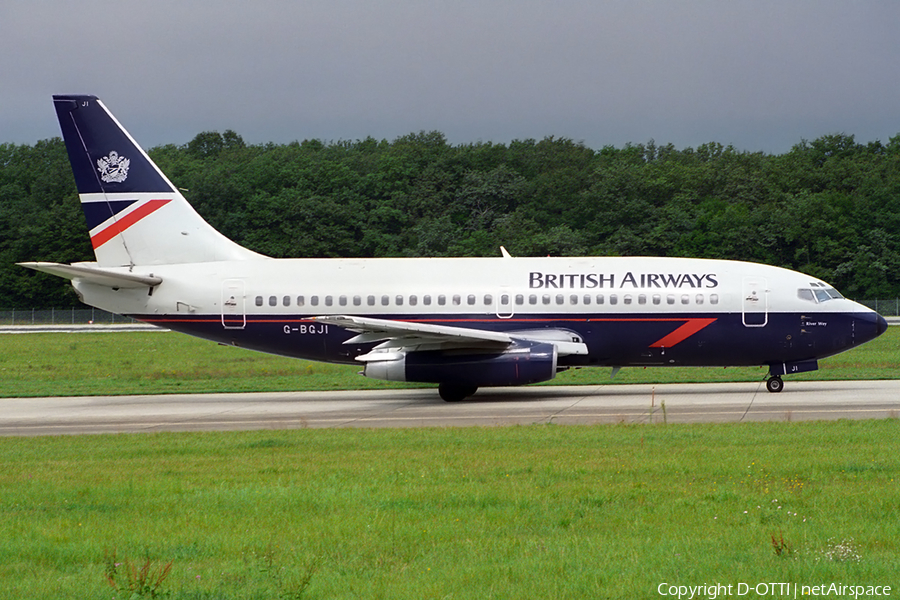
[830,207]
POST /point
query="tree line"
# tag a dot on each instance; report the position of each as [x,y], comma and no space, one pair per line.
[828,207]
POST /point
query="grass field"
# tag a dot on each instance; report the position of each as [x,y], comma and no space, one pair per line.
[63,364]
[520,512]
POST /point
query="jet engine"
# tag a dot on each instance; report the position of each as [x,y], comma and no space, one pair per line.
[524,362]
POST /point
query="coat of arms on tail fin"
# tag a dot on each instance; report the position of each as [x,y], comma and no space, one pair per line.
[113,168]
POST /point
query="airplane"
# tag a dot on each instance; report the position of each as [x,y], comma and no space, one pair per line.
[461,323]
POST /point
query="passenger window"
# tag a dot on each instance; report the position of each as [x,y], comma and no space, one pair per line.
[657,298]
[520,299]
[300,301]
[413,300]
[613,299]
[385,300]
[670,299]
[560,299]
[685,299]
[713,298]
[259,300]
[699,298]
[488,299]
[370,300]
[573,299]
[504,299]
[426,300]
[642,298]
[600,298]
[314,300]
[457,299]
[286,301]
[470,300]
[587,299]
[399,300]
[532,298]
[273,301]
[357,300]
[627,299]
[442,300]
[342,300]
[545,299]
[329,300]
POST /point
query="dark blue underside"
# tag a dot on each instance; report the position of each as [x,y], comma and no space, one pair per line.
[612,340]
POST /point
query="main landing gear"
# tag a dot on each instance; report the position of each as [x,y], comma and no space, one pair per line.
[454,392]
[774,384]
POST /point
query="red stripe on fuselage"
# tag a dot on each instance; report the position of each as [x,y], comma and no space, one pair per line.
[691,327]
[120,225]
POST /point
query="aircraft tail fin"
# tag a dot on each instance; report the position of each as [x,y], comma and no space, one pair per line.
[134,213]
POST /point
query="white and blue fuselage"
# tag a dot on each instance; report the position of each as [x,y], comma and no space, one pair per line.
[458,322]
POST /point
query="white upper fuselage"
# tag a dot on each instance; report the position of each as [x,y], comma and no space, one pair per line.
[498,286]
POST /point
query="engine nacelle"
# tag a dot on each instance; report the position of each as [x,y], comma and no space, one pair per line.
[525,362]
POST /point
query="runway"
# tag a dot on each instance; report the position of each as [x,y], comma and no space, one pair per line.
[669,403]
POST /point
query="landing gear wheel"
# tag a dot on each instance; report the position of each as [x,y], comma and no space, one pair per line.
[774,384]
[451,392]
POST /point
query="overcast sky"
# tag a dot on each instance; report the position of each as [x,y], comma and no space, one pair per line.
[759,75]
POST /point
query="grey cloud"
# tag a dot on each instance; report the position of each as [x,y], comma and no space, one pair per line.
[758,75]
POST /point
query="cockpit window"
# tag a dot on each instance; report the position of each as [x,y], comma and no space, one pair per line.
[818,294]
[821,295]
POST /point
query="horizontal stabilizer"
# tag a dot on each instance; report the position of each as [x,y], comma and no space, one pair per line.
[95,275]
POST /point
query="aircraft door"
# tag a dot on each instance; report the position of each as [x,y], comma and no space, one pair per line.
[755,302]
[505,306]
[234,314]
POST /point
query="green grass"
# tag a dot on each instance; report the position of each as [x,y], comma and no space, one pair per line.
[63,364]
[517,512]
[538,511]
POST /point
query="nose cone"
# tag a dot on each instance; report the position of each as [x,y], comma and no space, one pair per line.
[881,326]
[869,326]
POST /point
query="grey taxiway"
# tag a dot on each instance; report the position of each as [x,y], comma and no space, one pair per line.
[669,403]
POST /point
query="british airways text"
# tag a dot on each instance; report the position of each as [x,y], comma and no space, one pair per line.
[538,280]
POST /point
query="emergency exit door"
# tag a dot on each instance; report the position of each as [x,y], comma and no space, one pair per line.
[234,315]
[755,302]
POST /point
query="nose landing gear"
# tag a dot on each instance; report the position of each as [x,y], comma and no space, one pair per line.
[774,383]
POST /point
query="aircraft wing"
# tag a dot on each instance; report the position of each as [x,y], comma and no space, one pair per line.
[408,336]
[96,275]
